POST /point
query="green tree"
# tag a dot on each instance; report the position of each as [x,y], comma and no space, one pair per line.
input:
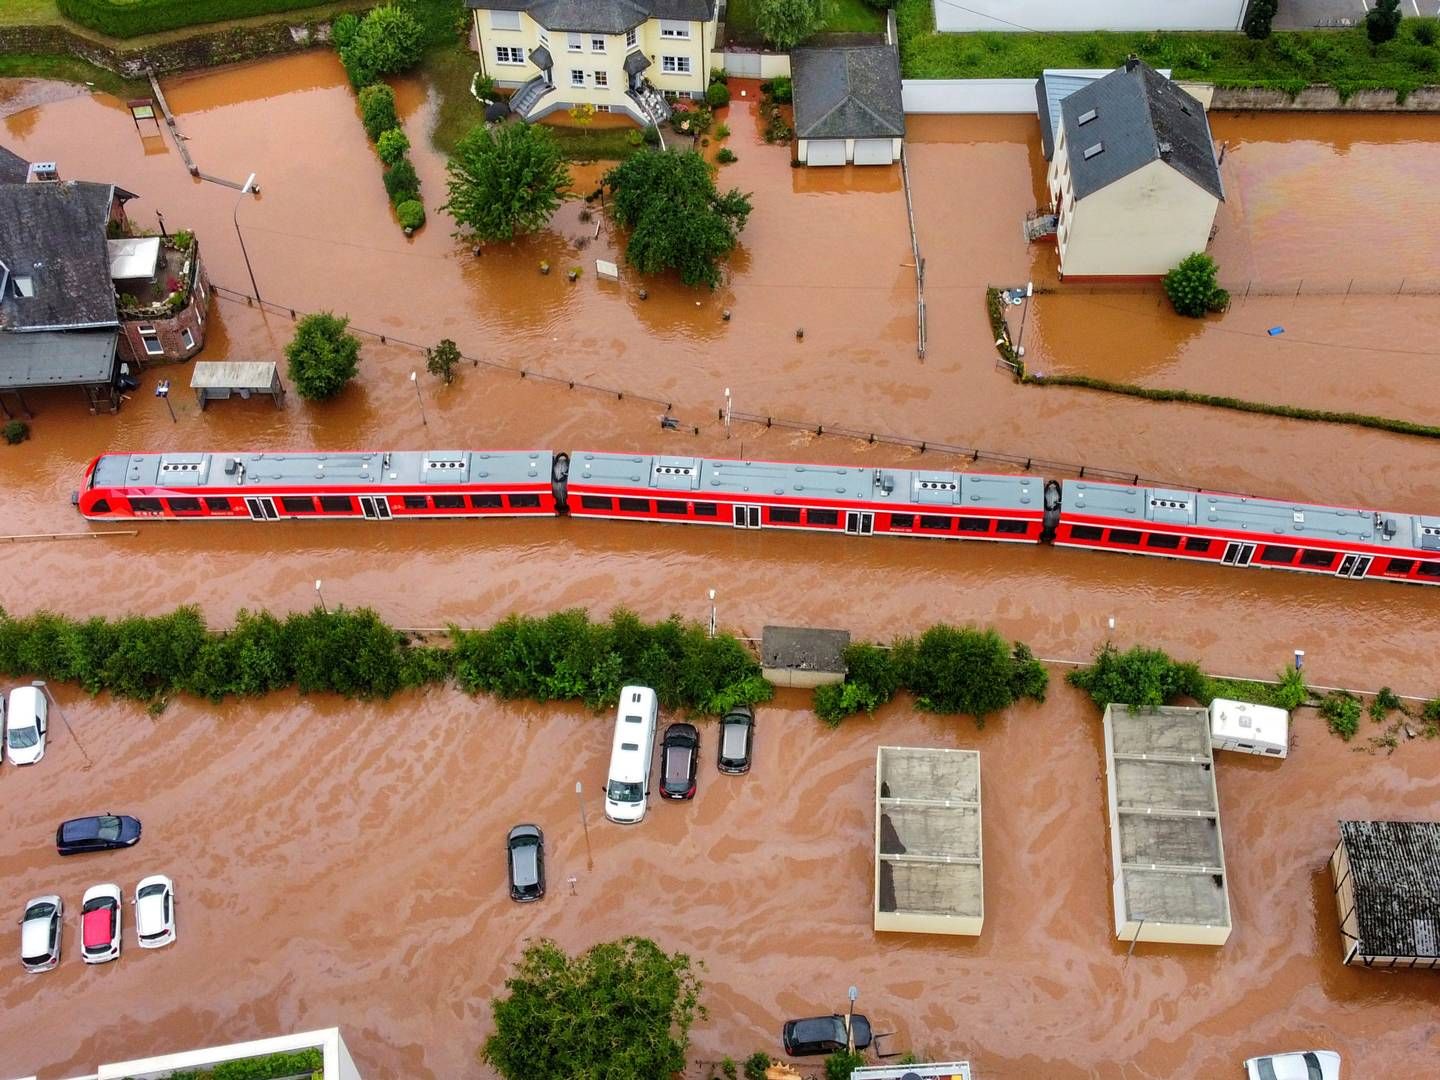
[786,23]
[966,670]
[839,1065]
[506,181]
[1382,22]
[388,40]
[1139,676]
[377,110]
[620,1011]
[323,356]
[756,1064]
[1192,288]
[1258,17]
[677,219]
[441,360]
[391,145]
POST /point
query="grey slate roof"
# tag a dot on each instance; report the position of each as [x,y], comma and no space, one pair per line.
[13,168]
[57,359]
[847,93]
[1141,117]
[600,16]
[636,62]
[1053,87]
[540,57]
[55,233]
[1396,869]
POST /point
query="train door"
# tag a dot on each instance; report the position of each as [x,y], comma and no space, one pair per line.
[1237,554]
[859,522]
[261,507]
[747,517]
[1354,566]
[375,507]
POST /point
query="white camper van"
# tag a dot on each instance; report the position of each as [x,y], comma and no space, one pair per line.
[1250,729]
[628,790]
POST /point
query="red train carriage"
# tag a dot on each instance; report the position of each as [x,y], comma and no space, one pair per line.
[377,486]
[1238,531]
[822,498]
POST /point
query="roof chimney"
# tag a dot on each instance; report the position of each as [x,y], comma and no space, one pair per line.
[1132,62]
[42,172]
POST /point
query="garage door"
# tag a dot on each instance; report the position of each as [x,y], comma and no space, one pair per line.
[825,152]
[873,152]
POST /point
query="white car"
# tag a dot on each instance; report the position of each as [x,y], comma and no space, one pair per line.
[40,930]
[155,911]
[1298,1065]
[100,923]
[25,731]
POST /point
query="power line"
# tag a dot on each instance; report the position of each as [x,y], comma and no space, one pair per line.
[987,15]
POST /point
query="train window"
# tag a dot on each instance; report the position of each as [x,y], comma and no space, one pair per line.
[184,505]
[1317,558]
[1278,553]
[666,506]
[296,504]
[145,506]
[484,502]
[1086,532]
[902,521]
[417,502]
[524,502]
[704,509]
[596,502]
[1400,566]
[449,502]
[336,504]
[1425,569]
[934,521]
[785,515]
[1197,544]
[1124,536]
[639,505]
[102,506]
[822,517]
[1162,540]
[1012,526]
[974,524]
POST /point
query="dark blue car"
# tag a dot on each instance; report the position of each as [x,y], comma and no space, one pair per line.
[102,832]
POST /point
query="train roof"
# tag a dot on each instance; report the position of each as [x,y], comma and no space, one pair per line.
[432,467]
[1264,517]
[758,479]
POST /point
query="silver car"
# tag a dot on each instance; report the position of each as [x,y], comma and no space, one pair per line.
[1300,1065]
[40,931]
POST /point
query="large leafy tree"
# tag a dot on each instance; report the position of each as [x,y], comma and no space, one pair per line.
[323,356]
[506,180]
[786,23]
[676,217]
[1192,286]
[620,1011]
[387,41]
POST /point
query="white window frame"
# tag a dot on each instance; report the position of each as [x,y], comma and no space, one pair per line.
[632,37]
[575,43]
[544,38]
[504,52]
[498,18]
[675,65]
[602,108]
[597,44]
[675,31]
[187,337]
[577,77]
[602,79]
[149,338]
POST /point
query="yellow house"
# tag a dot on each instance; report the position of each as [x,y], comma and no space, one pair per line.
[623,56]
[1134,183]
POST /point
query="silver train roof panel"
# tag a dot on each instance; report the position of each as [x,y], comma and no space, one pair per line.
[430,467]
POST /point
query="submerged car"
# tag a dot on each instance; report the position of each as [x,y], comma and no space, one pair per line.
[40,930]
[737,740]
[100,924]
[1298,1065]
[155,911]
[525,858]
[679,761]
[26,725]
[101,832]
[817,1035]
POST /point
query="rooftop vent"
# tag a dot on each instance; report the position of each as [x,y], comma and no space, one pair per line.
[42,172]
[1086,117]
[1170,504]
[1092,151]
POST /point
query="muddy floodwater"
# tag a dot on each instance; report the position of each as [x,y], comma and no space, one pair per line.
[341,863]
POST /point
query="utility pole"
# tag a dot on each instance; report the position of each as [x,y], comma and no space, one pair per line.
[585,824]
[250,188]
[415,379]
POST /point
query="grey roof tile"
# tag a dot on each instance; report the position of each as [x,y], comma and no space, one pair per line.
[601,16]
[13,168]
[55,234]
[847,93]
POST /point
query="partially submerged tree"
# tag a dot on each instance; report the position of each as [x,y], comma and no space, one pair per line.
[1382,22]
[1192,287]
[620,1011]
[323,356]
[442,359]
[506,181]
[786,23]
[676,217]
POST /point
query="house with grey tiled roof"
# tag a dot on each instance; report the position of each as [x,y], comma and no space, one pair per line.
[1134,182]
[847,105]
[617,56]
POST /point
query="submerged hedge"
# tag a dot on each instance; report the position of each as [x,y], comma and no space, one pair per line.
[560,657]
[1151,677]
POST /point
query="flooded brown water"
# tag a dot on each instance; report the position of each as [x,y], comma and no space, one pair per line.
[363,787]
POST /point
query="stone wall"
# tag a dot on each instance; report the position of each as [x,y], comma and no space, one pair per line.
[1326,99]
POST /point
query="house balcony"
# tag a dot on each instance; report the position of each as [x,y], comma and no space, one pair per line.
[153,276]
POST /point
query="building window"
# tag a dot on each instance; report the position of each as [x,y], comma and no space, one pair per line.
[151,342]
[597,44]
[544,38]
[187,337]
[504,20]
[24,285]
[1086,117]
[675,65]
[601,79]
[509,54]
[575,43]
[602,108]
[577,77]
[678,30]
[631,38]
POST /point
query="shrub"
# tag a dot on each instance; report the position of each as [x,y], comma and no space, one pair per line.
[401,183]
[389,40]
[16,432]
[1384,703]
[391,145]
[966,670]
[323,356]
[1341,712]
[651,135]
[1191,286]
[871,679]
[411,213]
[782,89]
[717,95]
[483,87]
[270,1066]
[722,131]
[1139,676]
[1430,718]
[344,28]
[839,1065]
[377,110]
[756,1064]
[726,156]
[728,1069]
[1423,31]
[1258,17]
[1382,21]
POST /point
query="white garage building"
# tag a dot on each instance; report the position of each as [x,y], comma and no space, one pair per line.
[847,105]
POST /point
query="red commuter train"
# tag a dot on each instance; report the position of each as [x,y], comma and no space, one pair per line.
[1231,530]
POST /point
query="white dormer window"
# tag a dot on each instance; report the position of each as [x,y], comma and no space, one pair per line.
[1086,117]
[670,28]
[24,285]
[1093,151]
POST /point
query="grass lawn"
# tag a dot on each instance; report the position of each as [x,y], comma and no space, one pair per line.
[594,144]
[28,12]
[69,69]
[1285,61]
[849,16]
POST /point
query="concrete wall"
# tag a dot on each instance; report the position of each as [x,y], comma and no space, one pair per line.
[1018,15]
[170,331]
[1003,95]
[338,1063]
[754,65]
[804,680]
[1327,99]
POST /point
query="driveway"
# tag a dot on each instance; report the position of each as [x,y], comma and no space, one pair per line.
[1303,14]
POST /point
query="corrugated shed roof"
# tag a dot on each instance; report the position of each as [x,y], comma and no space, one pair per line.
[1140,117]
[54,233]
[601,16]
[847,93]
[1396,869]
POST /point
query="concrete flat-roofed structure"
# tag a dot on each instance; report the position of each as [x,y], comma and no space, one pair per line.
[945,1070]
[803,656]
[928,867]
[334,1056]
[1167,856]
[1386,878]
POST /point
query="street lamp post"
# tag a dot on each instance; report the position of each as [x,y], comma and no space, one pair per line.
[321,595]
[1020,341]
[162,390]
[850,1020]
[415,378]
[713,624]
[249,189]
[729,408]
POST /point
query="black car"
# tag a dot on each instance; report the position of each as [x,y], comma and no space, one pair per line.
[525,857]
[737,740]
[102,832]
[679,760]
[817,1035]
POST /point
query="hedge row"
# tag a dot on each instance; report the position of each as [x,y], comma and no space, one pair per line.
[131,18]
[561,657]
[1150,677]
[269,1067]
